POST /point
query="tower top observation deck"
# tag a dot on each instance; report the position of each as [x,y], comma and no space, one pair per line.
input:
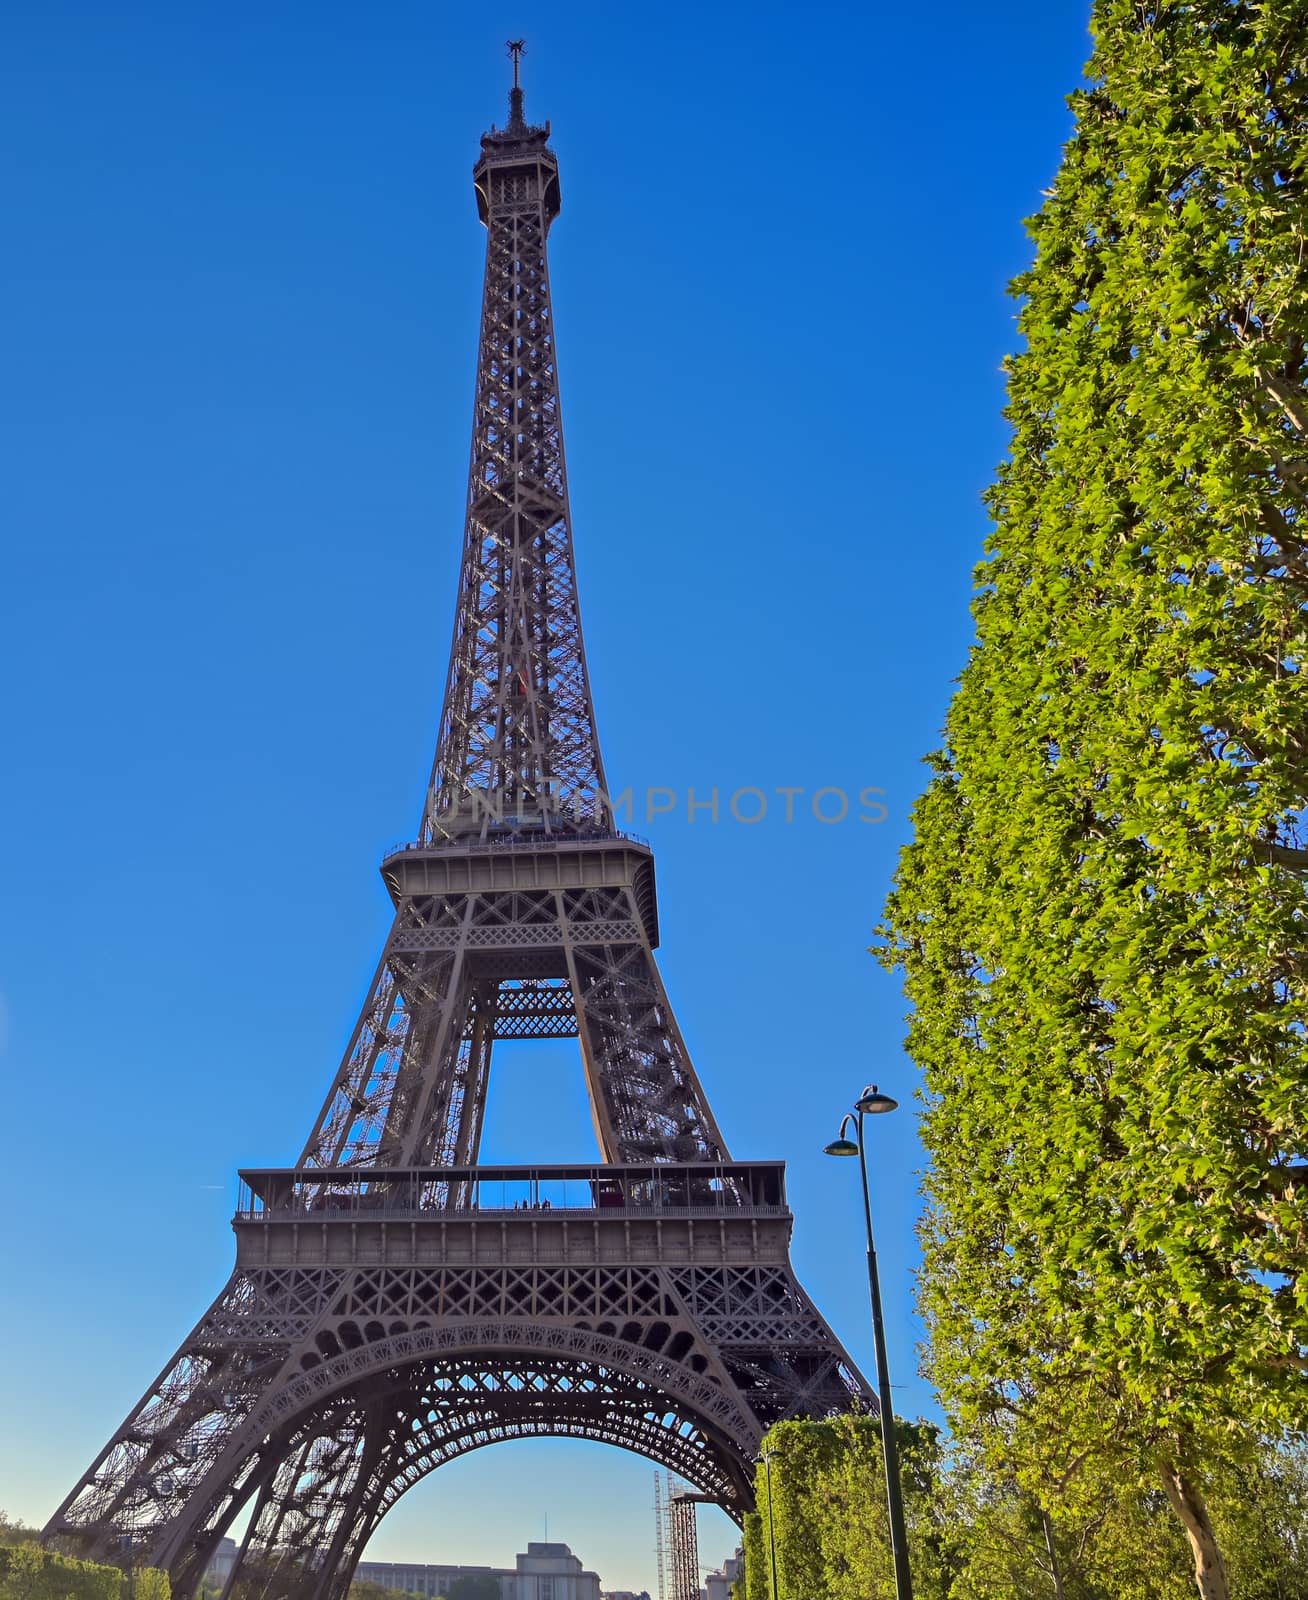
[519,145]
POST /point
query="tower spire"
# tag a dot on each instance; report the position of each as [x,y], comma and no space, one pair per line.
[517,48]
[517,742]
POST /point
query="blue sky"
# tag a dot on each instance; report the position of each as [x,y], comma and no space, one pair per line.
[242,272]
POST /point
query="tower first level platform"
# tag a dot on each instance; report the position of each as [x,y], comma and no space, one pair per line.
[379,1324]
[679,1273]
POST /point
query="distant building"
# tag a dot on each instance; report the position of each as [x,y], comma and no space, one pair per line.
[543,1572]
[717,1585]
[220,1566]
[623,1594]
[419,1578]
[550,1572]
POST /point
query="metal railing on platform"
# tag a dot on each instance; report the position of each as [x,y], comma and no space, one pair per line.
[524,839]
[697,1190]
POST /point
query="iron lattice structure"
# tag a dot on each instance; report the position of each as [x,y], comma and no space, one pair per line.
[660,1535]
[683,1541]
[395,1303]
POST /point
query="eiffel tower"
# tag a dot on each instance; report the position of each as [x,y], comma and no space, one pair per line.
[395,1303]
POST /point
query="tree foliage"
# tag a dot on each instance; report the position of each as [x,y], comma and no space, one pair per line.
[475,1586]
[977,1535]
[27,1572]
[828,1513]
[1101,917]
[149,1583]
[365,1589]
[757,1576]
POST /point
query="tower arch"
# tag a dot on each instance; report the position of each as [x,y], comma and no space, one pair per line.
[357,1434]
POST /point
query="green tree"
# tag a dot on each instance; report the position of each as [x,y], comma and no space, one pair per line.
[829,1515]
[362,1589]
[1123,1547]
[1261,1514]
[978,1536]
[1101,917]
[475,1586]
[22,1572]
[149,1583]
[758,1580]
[27,1572]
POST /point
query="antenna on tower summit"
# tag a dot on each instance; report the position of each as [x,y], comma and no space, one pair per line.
[517,48]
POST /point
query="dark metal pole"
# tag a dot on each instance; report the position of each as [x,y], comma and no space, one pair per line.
[889,1444]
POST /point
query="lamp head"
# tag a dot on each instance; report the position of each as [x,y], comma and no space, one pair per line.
[841,1147]
[842,1144]
[873,1103]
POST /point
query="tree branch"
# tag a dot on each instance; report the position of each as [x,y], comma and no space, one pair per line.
[1287,402]
[1281,855]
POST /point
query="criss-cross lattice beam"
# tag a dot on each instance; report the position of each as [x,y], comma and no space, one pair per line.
[517,733]
[461,970]
[355,1458]
[166,1458]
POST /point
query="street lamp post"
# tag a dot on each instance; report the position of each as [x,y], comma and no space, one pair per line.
[766,1459]
[872,1103]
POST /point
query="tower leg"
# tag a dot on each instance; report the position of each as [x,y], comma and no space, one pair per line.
[646,1098]
[309,1508]
[155,1494]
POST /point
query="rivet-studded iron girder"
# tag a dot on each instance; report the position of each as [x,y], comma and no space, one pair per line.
[384,1316]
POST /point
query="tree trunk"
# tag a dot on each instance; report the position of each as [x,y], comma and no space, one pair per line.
[1188,1503]
[1055,1569]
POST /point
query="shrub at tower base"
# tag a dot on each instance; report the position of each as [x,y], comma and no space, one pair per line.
[1102,916]
[27,1572]
[829,1516]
